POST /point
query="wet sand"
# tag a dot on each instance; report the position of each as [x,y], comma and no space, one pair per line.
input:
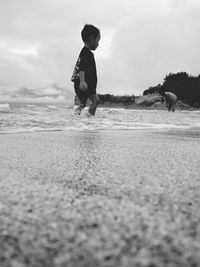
[107,198]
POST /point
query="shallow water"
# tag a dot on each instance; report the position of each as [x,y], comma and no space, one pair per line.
[30,118]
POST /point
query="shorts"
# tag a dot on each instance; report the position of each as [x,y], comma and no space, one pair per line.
[84,95]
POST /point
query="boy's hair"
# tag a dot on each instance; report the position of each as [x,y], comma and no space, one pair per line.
[89,30]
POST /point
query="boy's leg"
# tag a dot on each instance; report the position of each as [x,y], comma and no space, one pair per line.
[82,104]
[173,106]
[81,97]
[76,101]
[169,106]
[95,101]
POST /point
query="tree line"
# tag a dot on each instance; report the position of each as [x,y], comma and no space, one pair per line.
[185,86]
[124,99]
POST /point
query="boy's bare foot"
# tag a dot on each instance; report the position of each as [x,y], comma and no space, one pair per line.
[89,114]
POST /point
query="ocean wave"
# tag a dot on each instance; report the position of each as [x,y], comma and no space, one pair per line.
[5,109]
[85,127]
[51,107]
[4,106]
[35,118]
[30,105]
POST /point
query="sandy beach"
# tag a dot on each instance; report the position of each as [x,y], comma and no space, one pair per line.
[100,198]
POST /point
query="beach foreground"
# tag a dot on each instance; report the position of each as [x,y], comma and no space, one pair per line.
[100,198]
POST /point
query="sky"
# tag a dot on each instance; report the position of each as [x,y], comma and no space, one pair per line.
[141,42]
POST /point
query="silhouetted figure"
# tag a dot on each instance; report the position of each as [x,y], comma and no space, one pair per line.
[171,100]
[85,74]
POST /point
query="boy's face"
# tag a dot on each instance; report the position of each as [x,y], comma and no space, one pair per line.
[94,42]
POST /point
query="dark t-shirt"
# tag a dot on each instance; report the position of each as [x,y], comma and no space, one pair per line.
[86,63]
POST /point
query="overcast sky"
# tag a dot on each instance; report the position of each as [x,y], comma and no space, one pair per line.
[142,41]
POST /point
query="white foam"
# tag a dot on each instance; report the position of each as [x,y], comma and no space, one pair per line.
[4,106]
[62,119]
[51,107]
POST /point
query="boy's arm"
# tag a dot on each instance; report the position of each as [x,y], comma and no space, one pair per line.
[83,85]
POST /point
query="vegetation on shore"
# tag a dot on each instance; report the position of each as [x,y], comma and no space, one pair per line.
[185,86]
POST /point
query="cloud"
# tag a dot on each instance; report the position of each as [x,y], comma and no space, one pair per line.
[145,49]
[141,41]
[52,94]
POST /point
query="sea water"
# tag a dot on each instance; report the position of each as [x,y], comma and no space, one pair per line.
[17,117]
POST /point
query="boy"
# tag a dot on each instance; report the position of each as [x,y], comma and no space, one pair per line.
[85,74]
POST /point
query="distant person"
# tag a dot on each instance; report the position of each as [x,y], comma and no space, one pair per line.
[85,74]
[170,99]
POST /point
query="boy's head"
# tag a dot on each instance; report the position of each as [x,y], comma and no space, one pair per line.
[91,36]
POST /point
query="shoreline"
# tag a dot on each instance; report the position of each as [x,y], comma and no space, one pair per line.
[155,106]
